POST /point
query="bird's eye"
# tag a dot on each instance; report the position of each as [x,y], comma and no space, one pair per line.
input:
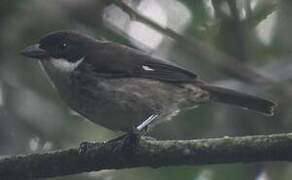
[63,46]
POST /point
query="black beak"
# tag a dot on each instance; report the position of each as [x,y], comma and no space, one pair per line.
[35,51]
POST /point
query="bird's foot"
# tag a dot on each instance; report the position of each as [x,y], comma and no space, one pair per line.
[85,146]
[126,143]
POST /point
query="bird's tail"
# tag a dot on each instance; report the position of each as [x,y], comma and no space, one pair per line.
[228,96]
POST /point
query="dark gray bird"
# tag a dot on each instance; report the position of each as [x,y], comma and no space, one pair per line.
[119,87]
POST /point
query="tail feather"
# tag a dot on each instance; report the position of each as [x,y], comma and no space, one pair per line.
[228,96]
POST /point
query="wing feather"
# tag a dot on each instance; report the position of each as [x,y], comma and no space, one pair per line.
[118,60]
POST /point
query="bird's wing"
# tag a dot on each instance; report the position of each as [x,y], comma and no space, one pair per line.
[115,60]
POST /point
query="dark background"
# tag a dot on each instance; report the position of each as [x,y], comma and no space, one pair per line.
[33,117]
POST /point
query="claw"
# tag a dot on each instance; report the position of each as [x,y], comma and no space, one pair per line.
[83,147]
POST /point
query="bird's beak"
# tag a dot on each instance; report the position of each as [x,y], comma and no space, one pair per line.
[35,51]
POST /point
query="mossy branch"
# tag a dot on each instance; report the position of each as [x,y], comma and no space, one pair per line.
[149,153]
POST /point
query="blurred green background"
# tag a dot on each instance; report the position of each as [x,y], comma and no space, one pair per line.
[33,117]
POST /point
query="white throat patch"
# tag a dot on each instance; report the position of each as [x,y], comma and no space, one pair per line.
[65,66]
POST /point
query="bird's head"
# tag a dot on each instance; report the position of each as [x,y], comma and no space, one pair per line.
[65,50]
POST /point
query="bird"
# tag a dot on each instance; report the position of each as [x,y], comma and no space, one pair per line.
[121,88]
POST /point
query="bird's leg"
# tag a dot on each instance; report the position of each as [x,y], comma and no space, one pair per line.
[127,143]
[143,126]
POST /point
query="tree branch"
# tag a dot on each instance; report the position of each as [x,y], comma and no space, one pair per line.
[149,153]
